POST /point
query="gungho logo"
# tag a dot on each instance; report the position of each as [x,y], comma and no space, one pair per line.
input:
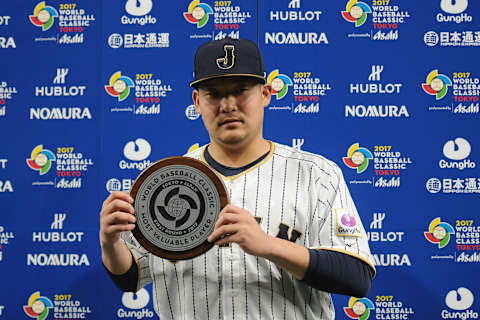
[135,305]
[137,151]
[455,10]
[457,151]
[459,300]
[138,7]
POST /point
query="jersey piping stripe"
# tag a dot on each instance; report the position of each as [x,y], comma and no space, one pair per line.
[270,154]
[268,230]
[193,296]
[258,271]
[166,290]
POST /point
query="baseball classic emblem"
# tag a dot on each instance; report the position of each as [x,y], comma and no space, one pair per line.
[177,202]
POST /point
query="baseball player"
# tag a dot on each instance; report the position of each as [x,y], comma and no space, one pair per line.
[289,237]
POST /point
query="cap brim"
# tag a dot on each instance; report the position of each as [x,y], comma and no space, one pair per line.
[227,75]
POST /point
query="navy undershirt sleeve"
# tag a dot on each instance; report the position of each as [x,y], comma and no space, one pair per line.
[126,282]
[339,273]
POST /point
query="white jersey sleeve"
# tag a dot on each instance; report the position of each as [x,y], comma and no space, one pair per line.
[339,225]
[142,259]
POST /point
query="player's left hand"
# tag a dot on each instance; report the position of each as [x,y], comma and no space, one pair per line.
[237,225]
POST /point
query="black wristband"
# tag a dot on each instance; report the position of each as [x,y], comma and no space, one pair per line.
[126,282]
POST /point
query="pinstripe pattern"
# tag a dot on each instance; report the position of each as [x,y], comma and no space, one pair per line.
[297,189]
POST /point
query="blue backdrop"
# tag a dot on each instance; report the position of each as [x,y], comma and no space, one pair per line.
[387,89]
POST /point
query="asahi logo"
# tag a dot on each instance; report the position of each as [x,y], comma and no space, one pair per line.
[60,91]
[69,184]
[304,108]
[393,182]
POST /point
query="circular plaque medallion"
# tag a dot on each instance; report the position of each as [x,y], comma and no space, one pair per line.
[177,201]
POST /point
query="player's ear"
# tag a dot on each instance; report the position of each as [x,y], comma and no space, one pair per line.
[266,94]
[196,98]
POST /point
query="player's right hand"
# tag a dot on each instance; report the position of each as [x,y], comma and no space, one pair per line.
[116,216]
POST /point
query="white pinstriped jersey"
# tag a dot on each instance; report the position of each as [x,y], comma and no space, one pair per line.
[297,195]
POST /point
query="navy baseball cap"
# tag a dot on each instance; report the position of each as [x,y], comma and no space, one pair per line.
[227,57]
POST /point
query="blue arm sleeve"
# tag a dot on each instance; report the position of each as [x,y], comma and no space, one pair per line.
[126,282]
[339,273]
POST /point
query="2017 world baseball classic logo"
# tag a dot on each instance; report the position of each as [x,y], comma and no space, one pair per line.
[380,20]
[140,95]
[459,242]
[457,93]
[7,92]
[69,163]
[385,163]
[385,307]
[6,237]
[61,306]
[218,20]
[64,24]
[298,93]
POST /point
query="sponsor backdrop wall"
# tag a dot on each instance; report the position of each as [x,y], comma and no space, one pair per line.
[92,92]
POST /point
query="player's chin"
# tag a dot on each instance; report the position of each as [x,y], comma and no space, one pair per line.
[232,138]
